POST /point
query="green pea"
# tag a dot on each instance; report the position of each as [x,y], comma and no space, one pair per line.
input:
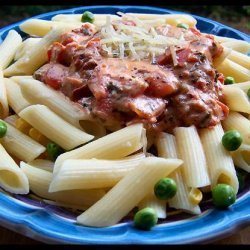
[231,140]
[229,80]
[165,188]
[183,25]
[87,16]
[145,218]
[53,151]
[223,195]
[3,129]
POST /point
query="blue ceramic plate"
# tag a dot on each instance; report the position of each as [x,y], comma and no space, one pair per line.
[51,224]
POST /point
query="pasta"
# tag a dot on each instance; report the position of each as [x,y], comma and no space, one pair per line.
[37,93]
[113,146]
[219,161]
[12,178]
[38,54]
[96,110]
[40,179]
[88,174]
[9,47]
[20,145]
[128,192]
[194,170]
[15,98]
[54,127]
[166,146]
[4,108]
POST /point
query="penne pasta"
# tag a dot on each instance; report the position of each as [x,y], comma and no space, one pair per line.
[238,122]
[245,86]
[125,195]
[21,145]
[91,174]
[12,178]
[237,45]
[223,39]
[158,205]
[172,19]
[25,47]
[219,161]
[8,48]
[37,92]
[15,97]
[241,157]
[54,127]
[99,19]
[236,99]
[4,108]
[40,179]
[42,164]
[39,27]
[240,58]
[167,148]
[238,72]
[116,145]
[189,148]
[38,54]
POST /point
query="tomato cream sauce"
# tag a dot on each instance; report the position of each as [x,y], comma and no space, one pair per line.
[162,93]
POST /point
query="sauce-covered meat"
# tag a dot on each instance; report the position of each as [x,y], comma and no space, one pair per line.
[178,88]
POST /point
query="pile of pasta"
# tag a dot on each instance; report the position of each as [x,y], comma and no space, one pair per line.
[106,175]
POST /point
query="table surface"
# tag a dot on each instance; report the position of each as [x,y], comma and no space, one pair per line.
[8,237]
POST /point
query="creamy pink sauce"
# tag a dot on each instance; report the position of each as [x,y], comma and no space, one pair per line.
[119,92]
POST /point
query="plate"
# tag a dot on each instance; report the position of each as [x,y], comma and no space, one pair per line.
[52,224]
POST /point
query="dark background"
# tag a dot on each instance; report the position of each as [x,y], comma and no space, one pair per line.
[236,16]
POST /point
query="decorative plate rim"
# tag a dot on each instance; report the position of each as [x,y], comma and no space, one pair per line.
[42,225]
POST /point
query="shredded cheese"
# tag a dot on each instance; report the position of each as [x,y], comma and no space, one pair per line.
[129,37]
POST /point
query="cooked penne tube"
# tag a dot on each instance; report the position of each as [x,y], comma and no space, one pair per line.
[189,148]
[241,157]
[40,179]
[158,205]
[172,19]
[39,27]
[91,174]
[12,178]
[125,195]
[15,97]
[8,48]
[4,107]
[223,39]
[25,47]
[239,122]
[240,58]
[219,161]
[37,92]
[21,145]
[99,19]
[230,68]
[245,86]
[54,127]
[238,45]
[112,146]
[167,148]
[236,99]
[42,164]
[38,54]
